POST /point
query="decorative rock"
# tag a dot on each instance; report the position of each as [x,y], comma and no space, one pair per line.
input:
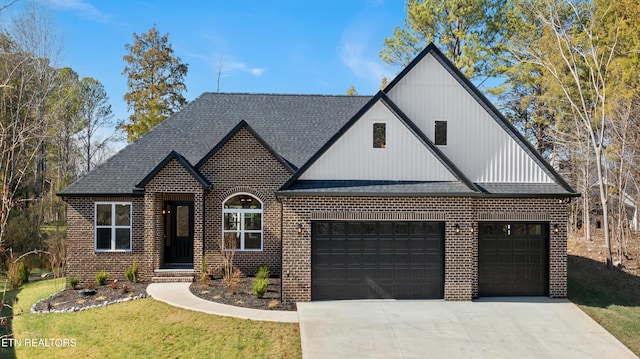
[93,306]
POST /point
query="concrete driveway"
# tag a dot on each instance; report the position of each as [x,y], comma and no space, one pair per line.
[486,328]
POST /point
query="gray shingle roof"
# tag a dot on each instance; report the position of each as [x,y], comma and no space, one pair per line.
[418,188]
[383,188]
[295,126]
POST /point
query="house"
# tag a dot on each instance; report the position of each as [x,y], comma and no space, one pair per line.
[422,191]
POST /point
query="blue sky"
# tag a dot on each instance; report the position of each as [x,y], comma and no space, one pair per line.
[288,46]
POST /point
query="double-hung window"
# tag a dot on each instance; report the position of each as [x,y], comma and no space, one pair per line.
[113,226]
[242,227]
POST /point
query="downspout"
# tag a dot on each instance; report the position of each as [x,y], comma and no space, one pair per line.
[281,238]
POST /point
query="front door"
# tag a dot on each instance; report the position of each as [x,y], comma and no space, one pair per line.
[178,241]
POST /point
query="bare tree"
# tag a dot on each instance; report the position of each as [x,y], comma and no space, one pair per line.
[579,60]
[28,79]
[95,115]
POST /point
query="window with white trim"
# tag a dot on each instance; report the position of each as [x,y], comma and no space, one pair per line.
[113,226]
[242,223]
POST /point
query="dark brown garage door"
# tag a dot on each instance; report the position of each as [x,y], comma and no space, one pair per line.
[513,259]
[358,260]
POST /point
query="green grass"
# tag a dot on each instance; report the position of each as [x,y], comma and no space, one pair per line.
[146,328]
[610,297]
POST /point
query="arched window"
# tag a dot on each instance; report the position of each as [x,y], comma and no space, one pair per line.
[242,222]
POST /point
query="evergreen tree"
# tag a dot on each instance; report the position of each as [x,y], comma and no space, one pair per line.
[155,78]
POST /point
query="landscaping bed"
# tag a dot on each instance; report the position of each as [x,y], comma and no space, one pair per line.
[73,300]
[242,296]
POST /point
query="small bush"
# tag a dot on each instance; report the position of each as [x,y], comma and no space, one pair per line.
[73,282]
[204,265]
[259,287]
[205,279]
[114,284]
[101,278]
[263,272]
[18,274]
[131,273]
[232,281]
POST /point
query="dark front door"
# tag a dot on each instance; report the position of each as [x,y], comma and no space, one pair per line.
[178,242]
[513,259]
[357,260]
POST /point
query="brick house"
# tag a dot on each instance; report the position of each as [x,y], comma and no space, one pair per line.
[422,191]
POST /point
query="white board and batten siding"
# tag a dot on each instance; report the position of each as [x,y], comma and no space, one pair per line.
[476,143]
[353,157]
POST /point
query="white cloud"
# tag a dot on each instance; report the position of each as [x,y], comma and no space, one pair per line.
[81,8]
[358,56]
[229,65]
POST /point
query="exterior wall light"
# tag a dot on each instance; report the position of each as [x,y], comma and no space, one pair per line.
[456,228]
[473,228]
[299,226]
[556,229]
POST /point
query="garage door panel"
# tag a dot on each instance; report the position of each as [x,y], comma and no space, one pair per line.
[512,258]
[377,260]
[418,244]
[354,229]
[401,259]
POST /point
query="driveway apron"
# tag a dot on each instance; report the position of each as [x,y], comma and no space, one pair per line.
[488,328]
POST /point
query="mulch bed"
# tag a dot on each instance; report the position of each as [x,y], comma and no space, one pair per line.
[243,296]
[70,300]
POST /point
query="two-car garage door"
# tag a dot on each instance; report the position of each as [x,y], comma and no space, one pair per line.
[357,260]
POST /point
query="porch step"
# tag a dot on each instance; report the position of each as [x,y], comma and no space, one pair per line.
[172,279]
[173,275]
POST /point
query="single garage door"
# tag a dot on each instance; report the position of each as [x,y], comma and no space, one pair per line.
[358,260]
[513,259]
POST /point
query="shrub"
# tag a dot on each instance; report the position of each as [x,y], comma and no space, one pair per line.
[18,274]
[101,278]
[232,281]
[263,272]
[131,273]
[260,287]
[73,282]
[205,280]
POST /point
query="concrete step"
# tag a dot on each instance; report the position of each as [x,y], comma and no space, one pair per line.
[172,279]
[173,275]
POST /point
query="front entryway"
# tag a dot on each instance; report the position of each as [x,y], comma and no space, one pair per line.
[178,234]
[358,260]
[513,259]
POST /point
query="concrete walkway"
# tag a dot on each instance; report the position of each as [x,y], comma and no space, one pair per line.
[179,295]
[487,328]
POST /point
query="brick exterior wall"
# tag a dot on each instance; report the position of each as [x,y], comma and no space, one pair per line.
[83,261]
[461,249]
[243,165]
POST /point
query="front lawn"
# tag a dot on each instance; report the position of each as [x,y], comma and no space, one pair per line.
[144,328]
[610,297]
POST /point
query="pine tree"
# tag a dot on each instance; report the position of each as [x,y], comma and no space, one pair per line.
[155,81]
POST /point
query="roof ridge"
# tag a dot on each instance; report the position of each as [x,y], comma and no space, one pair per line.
[282,94]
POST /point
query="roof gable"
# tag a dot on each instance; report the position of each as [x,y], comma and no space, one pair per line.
[483,144]
[243,124]
[408,156]
[183,162]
